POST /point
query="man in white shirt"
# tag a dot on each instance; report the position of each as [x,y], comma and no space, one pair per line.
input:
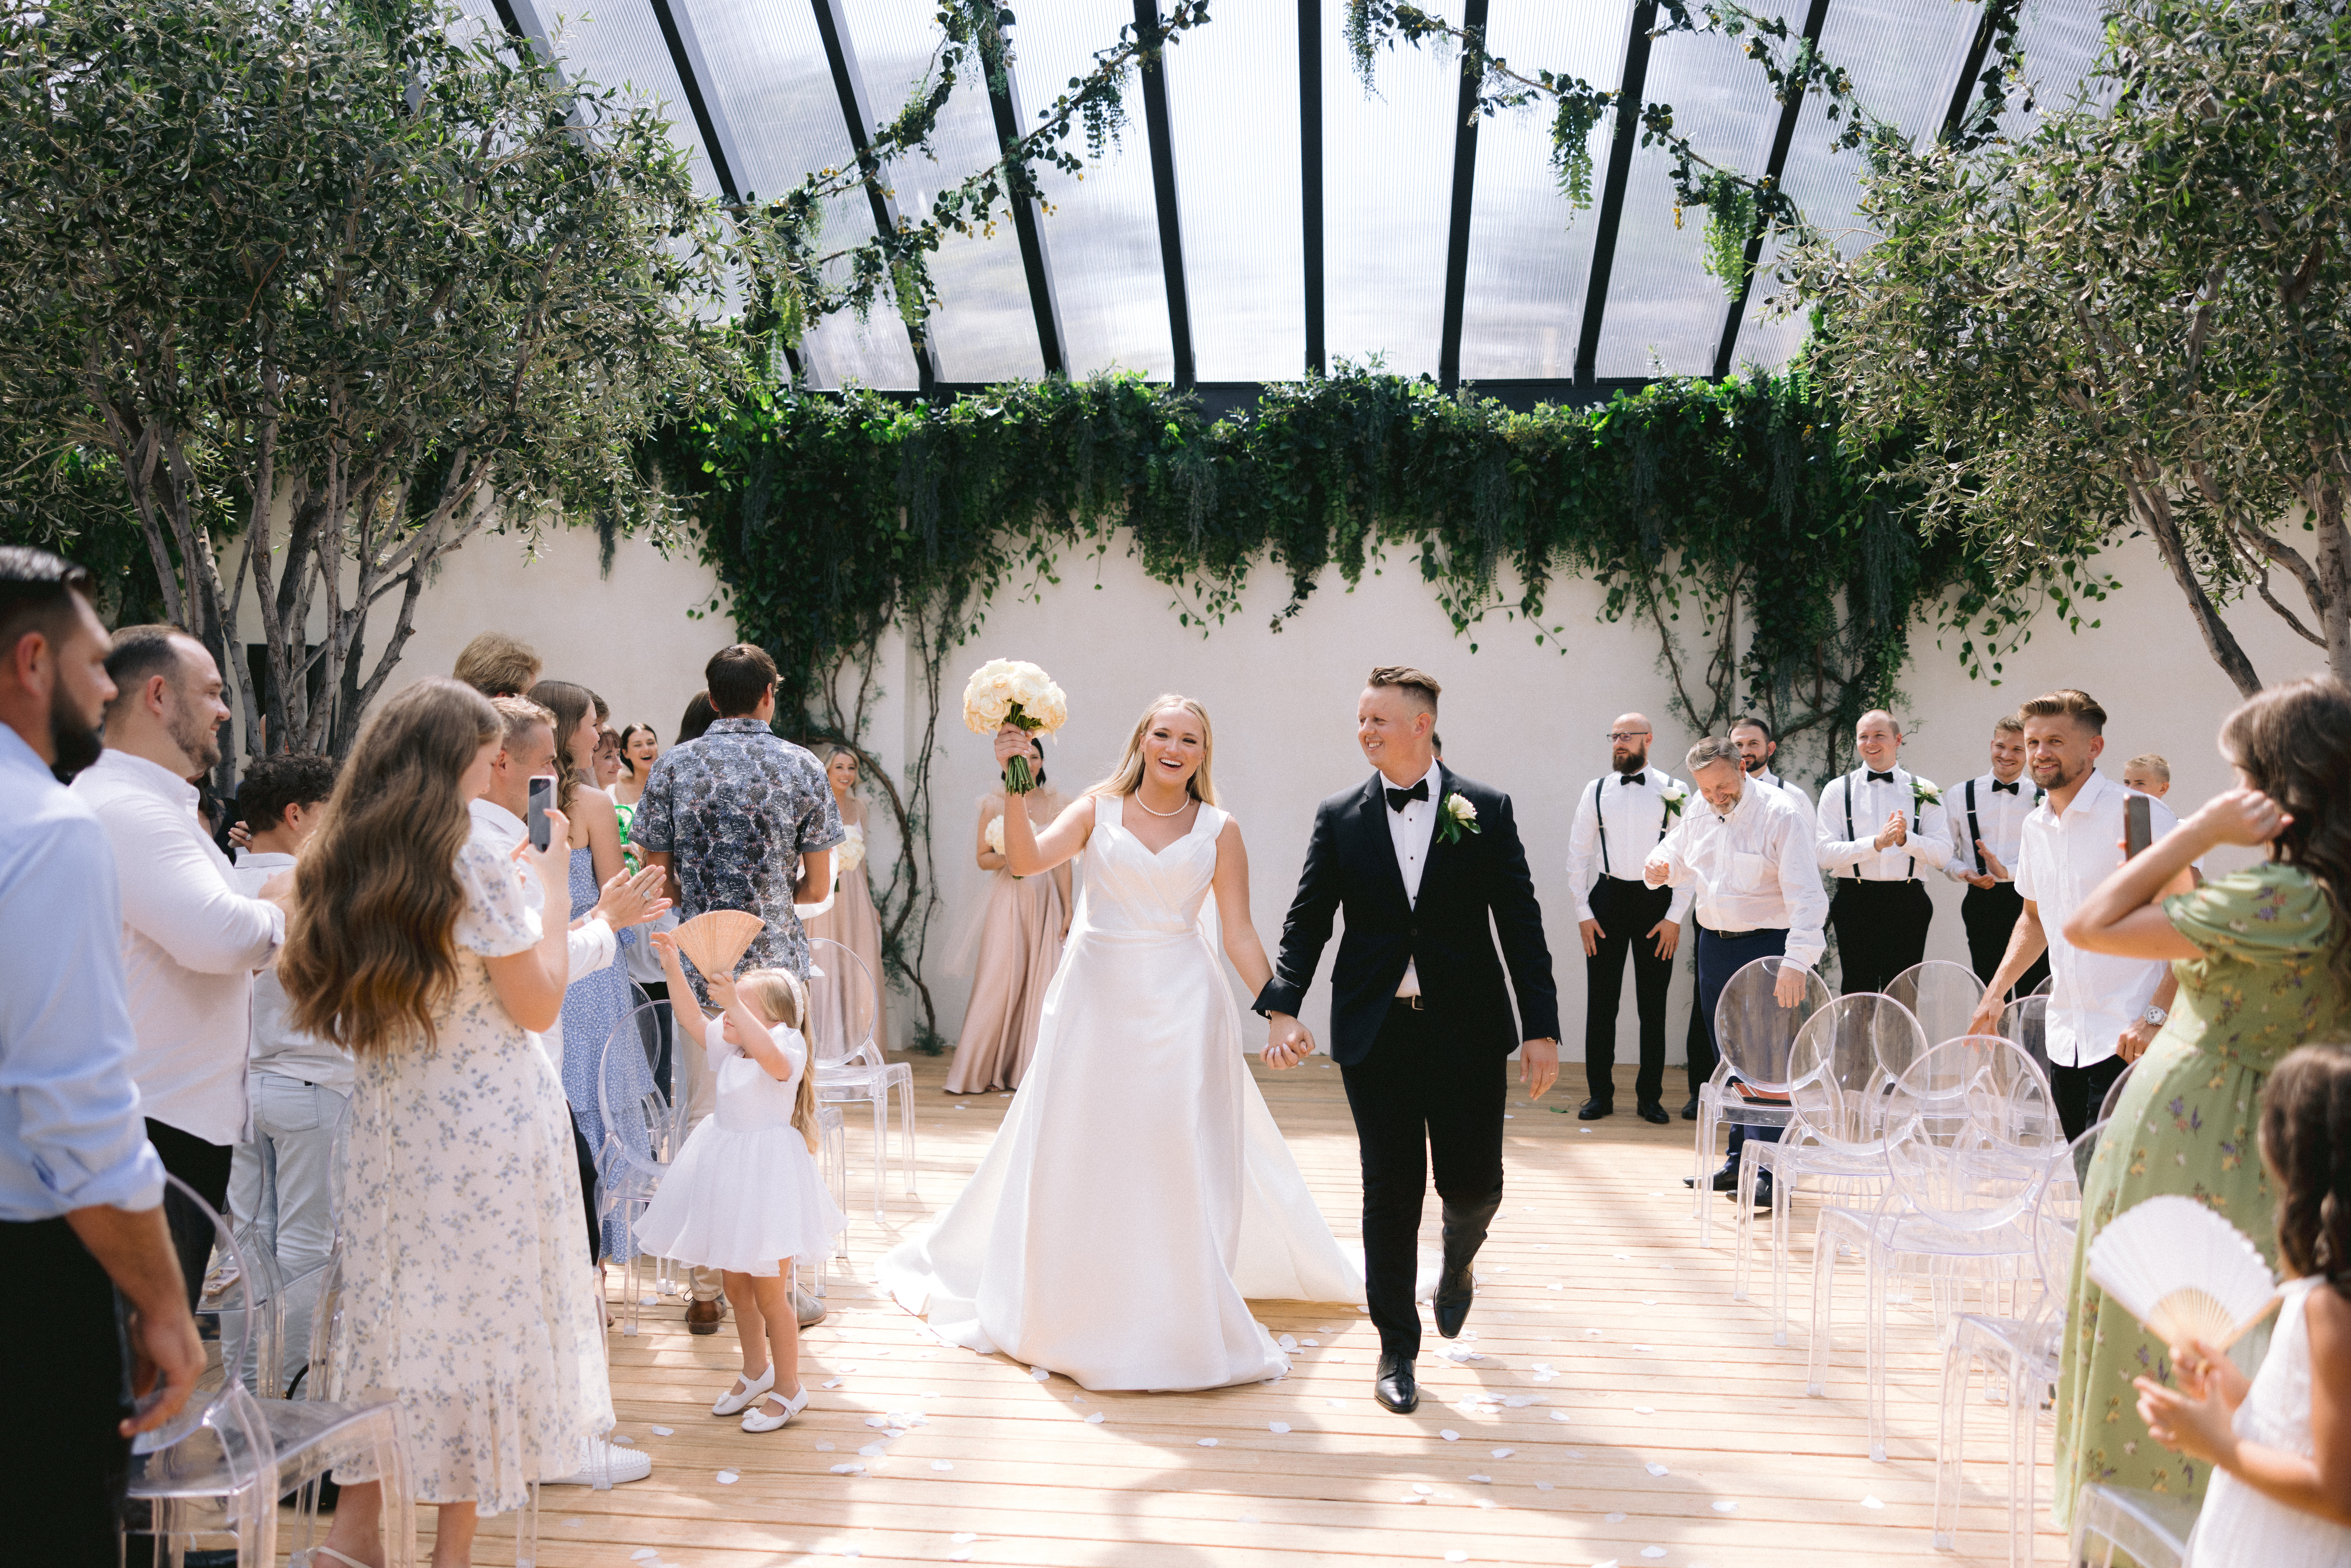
[1757,746]
[1987,820]
[1879,826]
[1619,817]
[2104,1011]
[191,939]
[1758,893]
[282,1181]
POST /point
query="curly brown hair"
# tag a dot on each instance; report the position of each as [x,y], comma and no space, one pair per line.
[2306,1141]
[2294,742]
[370,948]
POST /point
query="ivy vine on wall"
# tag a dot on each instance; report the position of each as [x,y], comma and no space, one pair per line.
[1775,568]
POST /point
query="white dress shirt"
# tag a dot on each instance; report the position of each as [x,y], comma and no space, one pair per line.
[1796,798]
[278,1045]
[1753,869]
[1619,819]
[1413,829]
[190,942]
[588,947]
[2093,997]
[1998,820]
[1853,808]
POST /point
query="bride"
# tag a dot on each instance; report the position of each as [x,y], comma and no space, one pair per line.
[1138,1193]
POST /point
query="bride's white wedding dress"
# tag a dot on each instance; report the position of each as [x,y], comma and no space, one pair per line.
[1138,1193]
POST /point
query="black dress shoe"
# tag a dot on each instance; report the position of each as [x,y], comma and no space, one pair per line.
[1395,1387]
[1456,1289]
[1689,1108]
[1724,1180]
[1762,1190]
[1653,1111]
[1593,1110]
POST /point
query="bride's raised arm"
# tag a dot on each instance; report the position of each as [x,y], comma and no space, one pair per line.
[1232,890]
[1028,852]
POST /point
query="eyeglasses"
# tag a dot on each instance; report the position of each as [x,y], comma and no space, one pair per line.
[1623,734]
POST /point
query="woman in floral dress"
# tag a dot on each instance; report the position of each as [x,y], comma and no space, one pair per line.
[468,1293]
[2263,967]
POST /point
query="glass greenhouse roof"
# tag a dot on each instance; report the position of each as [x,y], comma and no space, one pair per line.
[1274,215]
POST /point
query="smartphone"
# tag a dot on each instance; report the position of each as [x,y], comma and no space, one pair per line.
[542,797]
[2138,825]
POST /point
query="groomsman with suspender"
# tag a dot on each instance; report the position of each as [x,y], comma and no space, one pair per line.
[1878,825]
[1987,820]
[1620,817]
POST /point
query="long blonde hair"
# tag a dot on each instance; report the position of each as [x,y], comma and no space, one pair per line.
[779,998]
[370,948]
[1127,777]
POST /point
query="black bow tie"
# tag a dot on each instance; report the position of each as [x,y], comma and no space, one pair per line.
[2011,788]
[1399,798]
[1877,778]
[1640,778]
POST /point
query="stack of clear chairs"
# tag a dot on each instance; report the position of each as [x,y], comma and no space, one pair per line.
[1970,1136]
[2022,1351]
[851,1065]
[642,1135]
[1753,1034]
[1942,995]
[2149,1530]
[1839,1068]
[217,1470]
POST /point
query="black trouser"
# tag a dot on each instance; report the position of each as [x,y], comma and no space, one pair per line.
[62,1463]
[1700,1046]
[2079,1092]
[206,1167]
[1625,911]
[1881,930]
[658,991]
[1420,1101]
[587,1189]
[1991,914]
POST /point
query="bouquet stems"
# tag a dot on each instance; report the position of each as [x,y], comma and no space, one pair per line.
[1017,780]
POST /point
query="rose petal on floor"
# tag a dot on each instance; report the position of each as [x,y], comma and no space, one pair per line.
[1449,1435]
[664,1431]
[941,1465]
[728,1478]
[1207,1442]
[1659,1470]
[1871,1502]
[1277,1426]
[1726,1506]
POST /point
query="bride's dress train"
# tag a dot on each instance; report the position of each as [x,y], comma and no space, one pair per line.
[1138,1193]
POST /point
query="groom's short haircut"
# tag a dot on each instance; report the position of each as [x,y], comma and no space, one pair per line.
[1709,751]
[1748,721]
[1419,683]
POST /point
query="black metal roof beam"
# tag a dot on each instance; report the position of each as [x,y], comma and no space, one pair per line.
[521,20]
[1003,100]
[717,137]
[1154,36]
[1465,178]
[1310,181]
[1963,92]
[1630,84]
[849,86]
[1816,17]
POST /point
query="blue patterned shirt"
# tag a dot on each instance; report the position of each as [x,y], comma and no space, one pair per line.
[736,810]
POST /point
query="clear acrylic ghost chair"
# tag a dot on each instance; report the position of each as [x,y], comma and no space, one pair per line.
[1969,1135]
[2149,1530]
[1838,1073]
[2115,1091]
[2022,1351]
[1753,1034]
[851,1065]
[316,1436]
[656,1025]
[2026,1022]
[641,1139]
[1942,995]
[2048,983]
[248,1282]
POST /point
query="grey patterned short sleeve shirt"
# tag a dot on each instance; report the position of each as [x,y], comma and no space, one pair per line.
[736,810]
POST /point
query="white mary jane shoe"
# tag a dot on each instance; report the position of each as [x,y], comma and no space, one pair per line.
[743,1392]
[759,1420]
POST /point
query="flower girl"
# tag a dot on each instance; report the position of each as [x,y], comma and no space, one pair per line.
[2279,1445]
[744,1195]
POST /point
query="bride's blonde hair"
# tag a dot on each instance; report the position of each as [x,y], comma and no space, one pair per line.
[1127,777]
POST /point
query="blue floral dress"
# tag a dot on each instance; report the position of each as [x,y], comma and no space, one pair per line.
[593,1005]
[2188,1123]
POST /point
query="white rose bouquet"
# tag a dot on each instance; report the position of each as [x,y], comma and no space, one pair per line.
[995,840]
[850,853]
[1007,691]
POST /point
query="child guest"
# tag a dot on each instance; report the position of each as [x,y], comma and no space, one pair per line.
[744,1195]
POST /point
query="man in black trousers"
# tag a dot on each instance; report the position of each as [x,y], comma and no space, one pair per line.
[1420,859]
[1986,817]
[1880,826]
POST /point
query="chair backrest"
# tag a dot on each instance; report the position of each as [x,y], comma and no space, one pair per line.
[639,1124]
[842,1002]
[2057,1216]
[2048,983]
[2026,1022]
[1941,994]
[2114,1090]
[1753,1032]
[241,1305]
[1835,1071]
[1971,1132]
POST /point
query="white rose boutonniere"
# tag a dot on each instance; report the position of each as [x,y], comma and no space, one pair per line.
[1457,816]
[1676,798]
[1924,793]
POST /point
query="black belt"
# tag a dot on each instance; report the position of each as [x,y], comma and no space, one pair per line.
[1412,1002]
[1879,882]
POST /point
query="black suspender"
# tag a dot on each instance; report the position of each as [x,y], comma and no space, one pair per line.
[1600,819]
[1974,832]
[1863,772]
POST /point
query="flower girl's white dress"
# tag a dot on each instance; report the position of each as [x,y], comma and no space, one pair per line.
[745,1192]
[2239,1526]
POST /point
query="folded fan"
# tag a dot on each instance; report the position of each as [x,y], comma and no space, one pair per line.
[715,939]
[2183,1271]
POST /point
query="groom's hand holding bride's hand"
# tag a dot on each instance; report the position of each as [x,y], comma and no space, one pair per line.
[1538,1066]
[1287,1043]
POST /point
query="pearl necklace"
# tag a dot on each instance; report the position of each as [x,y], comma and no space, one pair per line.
[1137,799]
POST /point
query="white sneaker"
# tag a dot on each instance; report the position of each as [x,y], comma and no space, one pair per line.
[619,1465]
[759,1420]
[743,1392]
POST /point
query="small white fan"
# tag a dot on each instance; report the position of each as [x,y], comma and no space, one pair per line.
[2183,1271]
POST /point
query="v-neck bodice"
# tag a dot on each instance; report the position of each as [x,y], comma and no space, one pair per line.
[1129,890]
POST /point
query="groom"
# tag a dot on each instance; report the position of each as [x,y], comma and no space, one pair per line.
[1418,857]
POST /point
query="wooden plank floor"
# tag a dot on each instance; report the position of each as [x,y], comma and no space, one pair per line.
[1669,1429]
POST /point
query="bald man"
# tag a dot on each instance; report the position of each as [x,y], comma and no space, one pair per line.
[1620,817]
[1880,827]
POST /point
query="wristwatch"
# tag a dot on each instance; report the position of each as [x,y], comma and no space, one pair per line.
[2154,1016]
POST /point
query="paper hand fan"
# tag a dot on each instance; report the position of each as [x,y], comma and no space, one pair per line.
[716,938]
[2183,1270]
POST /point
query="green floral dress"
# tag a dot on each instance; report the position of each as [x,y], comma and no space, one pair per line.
[2187,1124]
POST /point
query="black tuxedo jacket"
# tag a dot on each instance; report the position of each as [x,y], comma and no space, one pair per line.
[1352,865]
